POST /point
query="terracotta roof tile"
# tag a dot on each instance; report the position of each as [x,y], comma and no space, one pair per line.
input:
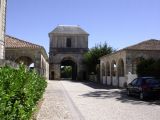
[12,42]
[151,44]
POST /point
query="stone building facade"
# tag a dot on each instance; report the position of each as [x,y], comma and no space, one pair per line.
[67,47]
[32,55]
[2,26]
[119,68]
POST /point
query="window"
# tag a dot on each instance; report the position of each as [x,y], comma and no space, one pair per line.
[68,44]
[139,82]
[134,82]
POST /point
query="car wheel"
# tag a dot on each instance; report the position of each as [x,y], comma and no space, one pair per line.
[141,96]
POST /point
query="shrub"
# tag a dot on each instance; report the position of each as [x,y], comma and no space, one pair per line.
[149,67]
[20,90]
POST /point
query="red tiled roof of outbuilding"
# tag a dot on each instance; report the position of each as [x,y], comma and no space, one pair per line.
[15,43]
[12,42]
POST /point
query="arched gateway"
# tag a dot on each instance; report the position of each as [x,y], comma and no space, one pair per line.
[67,47]
[69,65]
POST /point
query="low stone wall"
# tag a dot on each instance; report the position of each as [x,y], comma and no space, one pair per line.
[108,80]
[104,80]
[8,63]
[114,81]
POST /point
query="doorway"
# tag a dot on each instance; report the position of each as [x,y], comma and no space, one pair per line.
[68,70]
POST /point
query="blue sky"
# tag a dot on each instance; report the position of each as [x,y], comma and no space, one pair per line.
[120,23]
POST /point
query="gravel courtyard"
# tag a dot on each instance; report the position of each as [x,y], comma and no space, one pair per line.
[89,101]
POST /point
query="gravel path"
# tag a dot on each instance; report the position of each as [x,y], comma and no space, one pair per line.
[97,102]
[55,105]
[66,100]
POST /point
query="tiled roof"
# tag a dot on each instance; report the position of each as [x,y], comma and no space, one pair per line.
[151,44]
[12,42]
[68,29]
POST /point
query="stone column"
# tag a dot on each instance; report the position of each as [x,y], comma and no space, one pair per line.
[2,27]
[37,62]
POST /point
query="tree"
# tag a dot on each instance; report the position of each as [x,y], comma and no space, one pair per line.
[66,72]
[93,55]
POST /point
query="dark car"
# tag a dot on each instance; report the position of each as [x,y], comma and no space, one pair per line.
[144,87]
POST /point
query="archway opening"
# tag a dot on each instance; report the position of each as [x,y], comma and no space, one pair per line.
[121,68]
[52,75]
[114,81]
[103,70]
[25,60]
[113,68]
[107,69]
[68,70]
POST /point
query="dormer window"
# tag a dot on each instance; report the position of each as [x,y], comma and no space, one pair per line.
[68,43]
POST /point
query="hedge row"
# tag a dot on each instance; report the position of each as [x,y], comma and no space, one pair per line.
[20,90]
[149,67]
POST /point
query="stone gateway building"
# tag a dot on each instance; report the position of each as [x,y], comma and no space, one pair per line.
[67,47]
[119,68]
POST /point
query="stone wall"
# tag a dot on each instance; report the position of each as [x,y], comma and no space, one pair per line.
[133,55]
[78,41]
[44,67]
[8,63]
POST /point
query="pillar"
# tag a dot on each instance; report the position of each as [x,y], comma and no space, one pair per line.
[2,27]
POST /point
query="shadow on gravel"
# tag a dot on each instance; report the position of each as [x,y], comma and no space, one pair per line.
[97,86]
[104,92]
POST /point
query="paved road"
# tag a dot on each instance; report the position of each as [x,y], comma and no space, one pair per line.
[77,100]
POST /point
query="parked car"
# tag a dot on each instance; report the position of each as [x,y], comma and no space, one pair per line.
[144,87]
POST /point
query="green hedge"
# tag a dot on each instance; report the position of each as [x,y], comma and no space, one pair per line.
[20,90]
[149,67]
